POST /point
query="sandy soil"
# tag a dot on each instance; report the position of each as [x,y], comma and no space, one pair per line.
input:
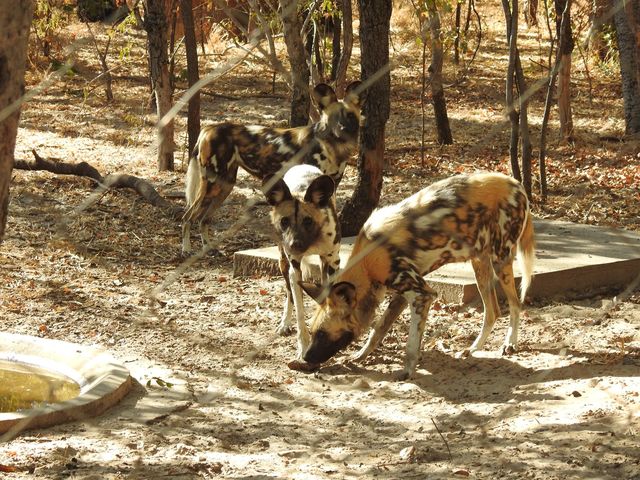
[565,406]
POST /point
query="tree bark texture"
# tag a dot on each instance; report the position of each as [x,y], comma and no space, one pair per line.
[156,27]
[336,42]
[300,98]
[627,23]
[512,34]
[347,47]
[564,74]
[437,86]
[191,46]
[15,20]
[375,18]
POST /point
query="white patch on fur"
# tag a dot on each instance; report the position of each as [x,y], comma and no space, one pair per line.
[255,129]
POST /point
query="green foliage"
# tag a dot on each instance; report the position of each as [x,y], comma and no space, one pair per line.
[50,17]
[159,382]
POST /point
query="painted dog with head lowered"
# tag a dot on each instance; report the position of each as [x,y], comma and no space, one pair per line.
[304,216]
[223,148]
[483,217]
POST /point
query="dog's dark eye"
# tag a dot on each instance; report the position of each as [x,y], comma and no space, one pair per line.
[284,223]
[307,222]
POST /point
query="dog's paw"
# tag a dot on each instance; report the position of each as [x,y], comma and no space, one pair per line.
[508,350]
[466,353]
[402,375]
[284,330]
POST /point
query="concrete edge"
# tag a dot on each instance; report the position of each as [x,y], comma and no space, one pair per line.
[103,381]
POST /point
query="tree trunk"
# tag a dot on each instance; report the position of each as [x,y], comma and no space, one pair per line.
[456,40]
[531,12]
[347,47]
[627,23]
[336,42]
[375,17]
[14,35]
[547,106]
[512,35]
[564,74]
[300,98]
[191,46]
[437,87]
[156,26]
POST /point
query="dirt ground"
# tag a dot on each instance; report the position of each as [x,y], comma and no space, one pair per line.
[565,406]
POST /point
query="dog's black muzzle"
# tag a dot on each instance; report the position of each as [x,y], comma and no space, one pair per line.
[322,348]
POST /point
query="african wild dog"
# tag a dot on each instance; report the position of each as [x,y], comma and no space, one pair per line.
[304,216]
[482,217]
[262,151]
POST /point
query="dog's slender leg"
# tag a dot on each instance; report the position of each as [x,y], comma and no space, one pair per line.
[193,186]
[186,237]
[410,284]
[485,281]
[396,306]
[295,277]
[217,193]
[284,327]
[507,281]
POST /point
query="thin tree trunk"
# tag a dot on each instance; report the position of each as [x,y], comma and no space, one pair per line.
[423,94]
[456,41]
[531,12]
[14,35]
[347,47]
[156,26]
[627,23]
[102,56]
[191,46]
[437,87]
[300,98]
[518,118]
[547,108]
[512,34]
[336,43]
[375,18]
[564,74]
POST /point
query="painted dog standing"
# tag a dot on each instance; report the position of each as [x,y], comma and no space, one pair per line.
[482,217]
[304,216]
[223,148]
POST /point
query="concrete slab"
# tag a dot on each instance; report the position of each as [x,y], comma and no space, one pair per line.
[572,261]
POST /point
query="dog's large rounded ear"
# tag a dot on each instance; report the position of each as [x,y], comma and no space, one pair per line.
[278,193]
[314,290]
[353,94]
[344,292]
[320,191]
[323,95]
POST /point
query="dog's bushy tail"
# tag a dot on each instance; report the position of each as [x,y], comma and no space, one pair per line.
[526,255]
[196,182]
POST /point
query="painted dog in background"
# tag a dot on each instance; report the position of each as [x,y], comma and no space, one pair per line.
[304,216]
[223,148]
[482,217]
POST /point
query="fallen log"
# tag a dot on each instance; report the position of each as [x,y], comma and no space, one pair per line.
[113,180]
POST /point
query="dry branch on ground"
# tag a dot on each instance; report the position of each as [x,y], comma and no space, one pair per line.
[113,180]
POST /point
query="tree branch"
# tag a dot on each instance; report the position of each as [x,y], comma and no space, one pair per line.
[114,180]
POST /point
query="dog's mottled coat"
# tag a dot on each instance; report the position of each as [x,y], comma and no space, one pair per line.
[223,148]
[304,216]
[483,217]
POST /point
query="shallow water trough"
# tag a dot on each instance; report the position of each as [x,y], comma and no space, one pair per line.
[101,381]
